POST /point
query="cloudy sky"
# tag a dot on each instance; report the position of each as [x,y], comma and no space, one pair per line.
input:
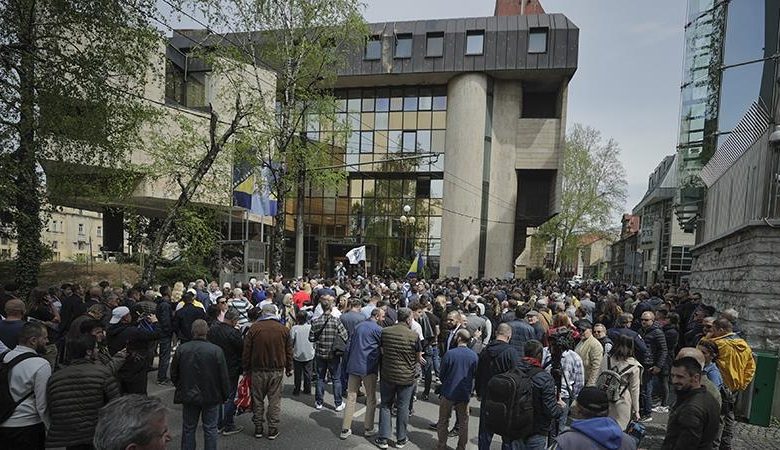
[630,65]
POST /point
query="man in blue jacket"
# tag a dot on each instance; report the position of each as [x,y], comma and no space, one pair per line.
[362,365]
[457,380]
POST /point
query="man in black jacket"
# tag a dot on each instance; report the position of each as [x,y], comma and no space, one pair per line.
[693,421]
[200,374]
[186,316]
[228,338]
[522,331]
[164,314]
[547,406]
[498,357]
[654,363]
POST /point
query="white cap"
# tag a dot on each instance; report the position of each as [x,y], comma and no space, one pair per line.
[118,313]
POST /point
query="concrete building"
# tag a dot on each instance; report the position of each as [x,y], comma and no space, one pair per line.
[665,247]
[594,256]
[486,98]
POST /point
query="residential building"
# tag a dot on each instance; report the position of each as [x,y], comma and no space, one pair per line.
[665,247]
[593,256]
[482,102]
[71,234]
[626,258]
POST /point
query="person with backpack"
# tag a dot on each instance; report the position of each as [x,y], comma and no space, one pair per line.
[24,415]
[593,429]
[497,358]
[737,367]
[326,332]
[521,404]
[621,379]
[457,381]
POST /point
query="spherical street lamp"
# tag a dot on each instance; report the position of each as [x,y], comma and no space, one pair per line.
[407,209]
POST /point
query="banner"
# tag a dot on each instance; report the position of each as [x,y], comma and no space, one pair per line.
[357,254]
[416,267]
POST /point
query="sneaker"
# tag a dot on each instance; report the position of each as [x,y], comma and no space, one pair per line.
[164,383]
[273,433]
[661,409]
[401,444]
[341,407]
[258,432]
[371,432]
[424,397]
[645,419]
[345,433]
[381,443]
[318,406]
[232,430]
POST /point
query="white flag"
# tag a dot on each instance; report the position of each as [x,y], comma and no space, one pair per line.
[357,254]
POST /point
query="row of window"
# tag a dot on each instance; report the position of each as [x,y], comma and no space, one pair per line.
[434,44]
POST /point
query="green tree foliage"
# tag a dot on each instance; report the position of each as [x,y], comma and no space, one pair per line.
[304,42]
[594,191]
[71,74]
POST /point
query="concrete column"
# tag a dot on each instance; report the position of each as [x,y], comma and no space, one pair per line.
[465,139]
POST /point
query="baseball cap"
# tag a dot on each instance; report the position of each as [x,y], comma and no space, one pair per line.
[117,314]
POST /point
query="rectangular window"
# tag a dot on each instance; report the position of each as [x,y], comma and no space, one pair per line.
[475,40]
[537,40]
[81,229]
[99,231]
[434,45]
[373,48]
[410,141]
[54,245]
[403,46]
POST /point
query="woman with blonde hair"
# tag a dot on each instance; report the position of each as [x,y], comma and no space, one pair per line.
[177,291]
[287,314]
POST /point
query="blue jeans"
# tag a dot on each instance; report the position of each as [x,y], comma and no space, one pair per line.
[431,356]
[227,412]
[533,442]
[564,416]
[190,415]
[485,437]
[402,397]
[646,393]
[165,358]
[323,366]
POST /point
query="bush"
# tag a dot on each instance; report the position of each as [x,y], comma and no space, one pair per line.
[536,274]
[183,271]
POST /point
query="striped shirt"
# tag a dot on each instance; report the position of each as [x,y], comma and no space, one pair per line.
[243,306]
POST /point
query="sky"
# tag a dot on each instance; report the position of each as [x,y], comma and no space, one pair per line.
[627,84]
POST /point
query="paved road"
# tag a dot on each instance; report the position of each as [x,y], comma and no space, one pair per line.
[303,427]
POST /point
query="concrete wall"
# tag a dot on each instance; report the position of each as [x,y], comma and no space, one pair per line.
[539,145]
[499,258]
[466,105]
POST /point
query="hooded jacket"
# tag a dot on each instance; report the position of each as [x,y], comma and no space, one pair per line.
[735,361]
[598,433]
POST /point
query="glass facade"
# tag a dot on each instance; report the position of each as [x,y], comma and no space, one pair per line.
[388,126]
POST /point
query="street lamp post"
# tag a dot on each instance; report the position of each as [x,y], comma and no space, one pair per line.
[406,221]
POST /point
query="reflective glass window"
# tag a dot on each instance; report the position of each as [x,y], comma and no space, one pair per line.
[537,40]
[403,46]
[475,42]
[434,44]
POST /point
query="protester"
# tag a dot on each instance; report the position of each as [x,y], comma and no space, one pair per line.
[303,354]
[226,336]
[29,374]
[498,357]
[200,374]
[266,357]
[76,393]
[693,420]
[621,361]
[590,351]
[401,352]
[132,422]
[324,332]
[362,367]
[548,408]
[185,316]
[11,326]
[457,377]
[593,430]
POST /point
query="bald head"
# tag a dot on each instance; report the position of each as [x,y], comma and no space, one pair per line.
[504,332]
[199,329]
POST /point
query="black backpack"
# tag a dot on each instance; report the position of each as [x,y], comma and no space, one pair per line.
[7,403]
[509,404]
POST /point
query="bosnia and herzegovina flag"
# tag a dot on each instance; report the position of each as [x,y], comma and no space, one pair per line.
[417,266]
[247,194]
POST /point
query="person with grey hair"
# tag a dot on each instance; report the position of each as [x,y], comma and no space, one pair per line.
[267,357]
[401,354]
[226,336]
[132,422]
[242,305]
[200,373]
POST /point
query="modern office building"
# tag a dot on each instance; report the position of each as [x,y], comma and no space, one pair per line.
[484,101]
[738,223]
[665,246]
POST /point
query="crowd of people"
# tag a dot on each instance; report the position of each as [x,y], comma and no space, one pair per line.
[547,362]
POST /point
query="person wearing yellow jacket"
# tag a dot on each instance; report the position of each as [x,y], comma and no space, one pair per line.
[737,367]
